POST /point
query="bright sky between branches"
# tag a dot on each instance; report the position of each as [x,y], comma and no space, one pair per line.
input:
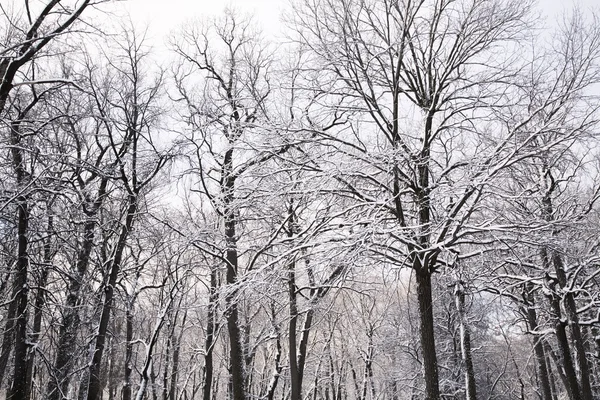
[164,16]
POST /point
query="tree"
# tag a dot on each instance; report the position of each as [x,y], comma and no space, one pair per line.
[429,83]
[234,70]
[130,117]
[28,38]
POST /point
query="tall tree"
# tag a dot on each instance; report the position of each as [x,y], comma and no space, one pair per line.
[430,83]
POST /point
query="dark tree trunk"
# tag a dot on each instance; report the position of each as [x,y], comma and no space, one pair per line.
[94,387]
[128,351]
[175,366]
[275,379]
[575,328]
[565,358]
[580,389]
[18,388]
[236,351]
[295,378]
[40,301]
[210,335]
[7,338]
[465,343]
[58,386]
[538,347]
[426,331]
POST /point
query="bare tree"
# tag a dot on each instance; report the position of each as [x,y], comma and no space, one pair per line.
[430,83]
[233,69]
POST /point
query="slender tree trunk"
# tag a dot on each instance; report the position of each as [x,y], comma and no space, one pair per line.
[572,385]
[295,379]
[40,301]
[465,342]
[18,388]
[69,327]
[7,337]
[128,351]
[277,360]
[94,387]
[210,335]
[426,331]
[575,328]
[236,352]
[166,362]
[538,347]
[175,366]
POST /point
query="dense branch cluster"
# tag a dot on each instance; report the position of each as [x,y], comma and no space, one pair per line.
[399,201]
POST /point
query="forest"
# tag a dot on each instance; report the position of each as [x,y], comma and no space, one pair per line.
[396,200]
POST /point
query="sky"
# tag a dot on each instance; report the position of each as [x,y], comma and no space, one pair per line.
[163,16]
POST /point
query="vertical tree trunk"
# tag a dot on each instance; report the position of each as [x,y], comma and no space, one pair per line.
[575,328]
[7,337]
[210,334]
[565,358]
[94,386]
[40,301]
[295,379]
[538,347]
[427,336]
[69,327]
[127,390]
[572,385]
[236,352]
[580,388]
[175,366]
[277,360]
[465,342]
[18,389]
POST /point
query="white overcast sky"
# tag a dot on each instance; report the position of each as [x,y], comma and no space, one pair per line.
[163,16]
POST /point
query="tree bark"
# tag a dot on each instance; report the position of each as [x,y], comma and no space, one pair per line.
[69,327]
[40,301]
[575,328]
[127,390]
[236,352]
[465,342]
[94,386]
[427,336]
[18,388]
[538,347]
[210,335]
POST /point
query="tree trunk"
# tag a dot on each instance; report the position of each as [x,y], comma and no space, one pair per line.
[175,366]
[94,391]
[128,351]
[426,331]
[576,335]
[465,342]
[236,352]
[18,388]
[40,301]
[69,327]
[572,385]
[295,378]
[210,335]
[538,347]
[7,338]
